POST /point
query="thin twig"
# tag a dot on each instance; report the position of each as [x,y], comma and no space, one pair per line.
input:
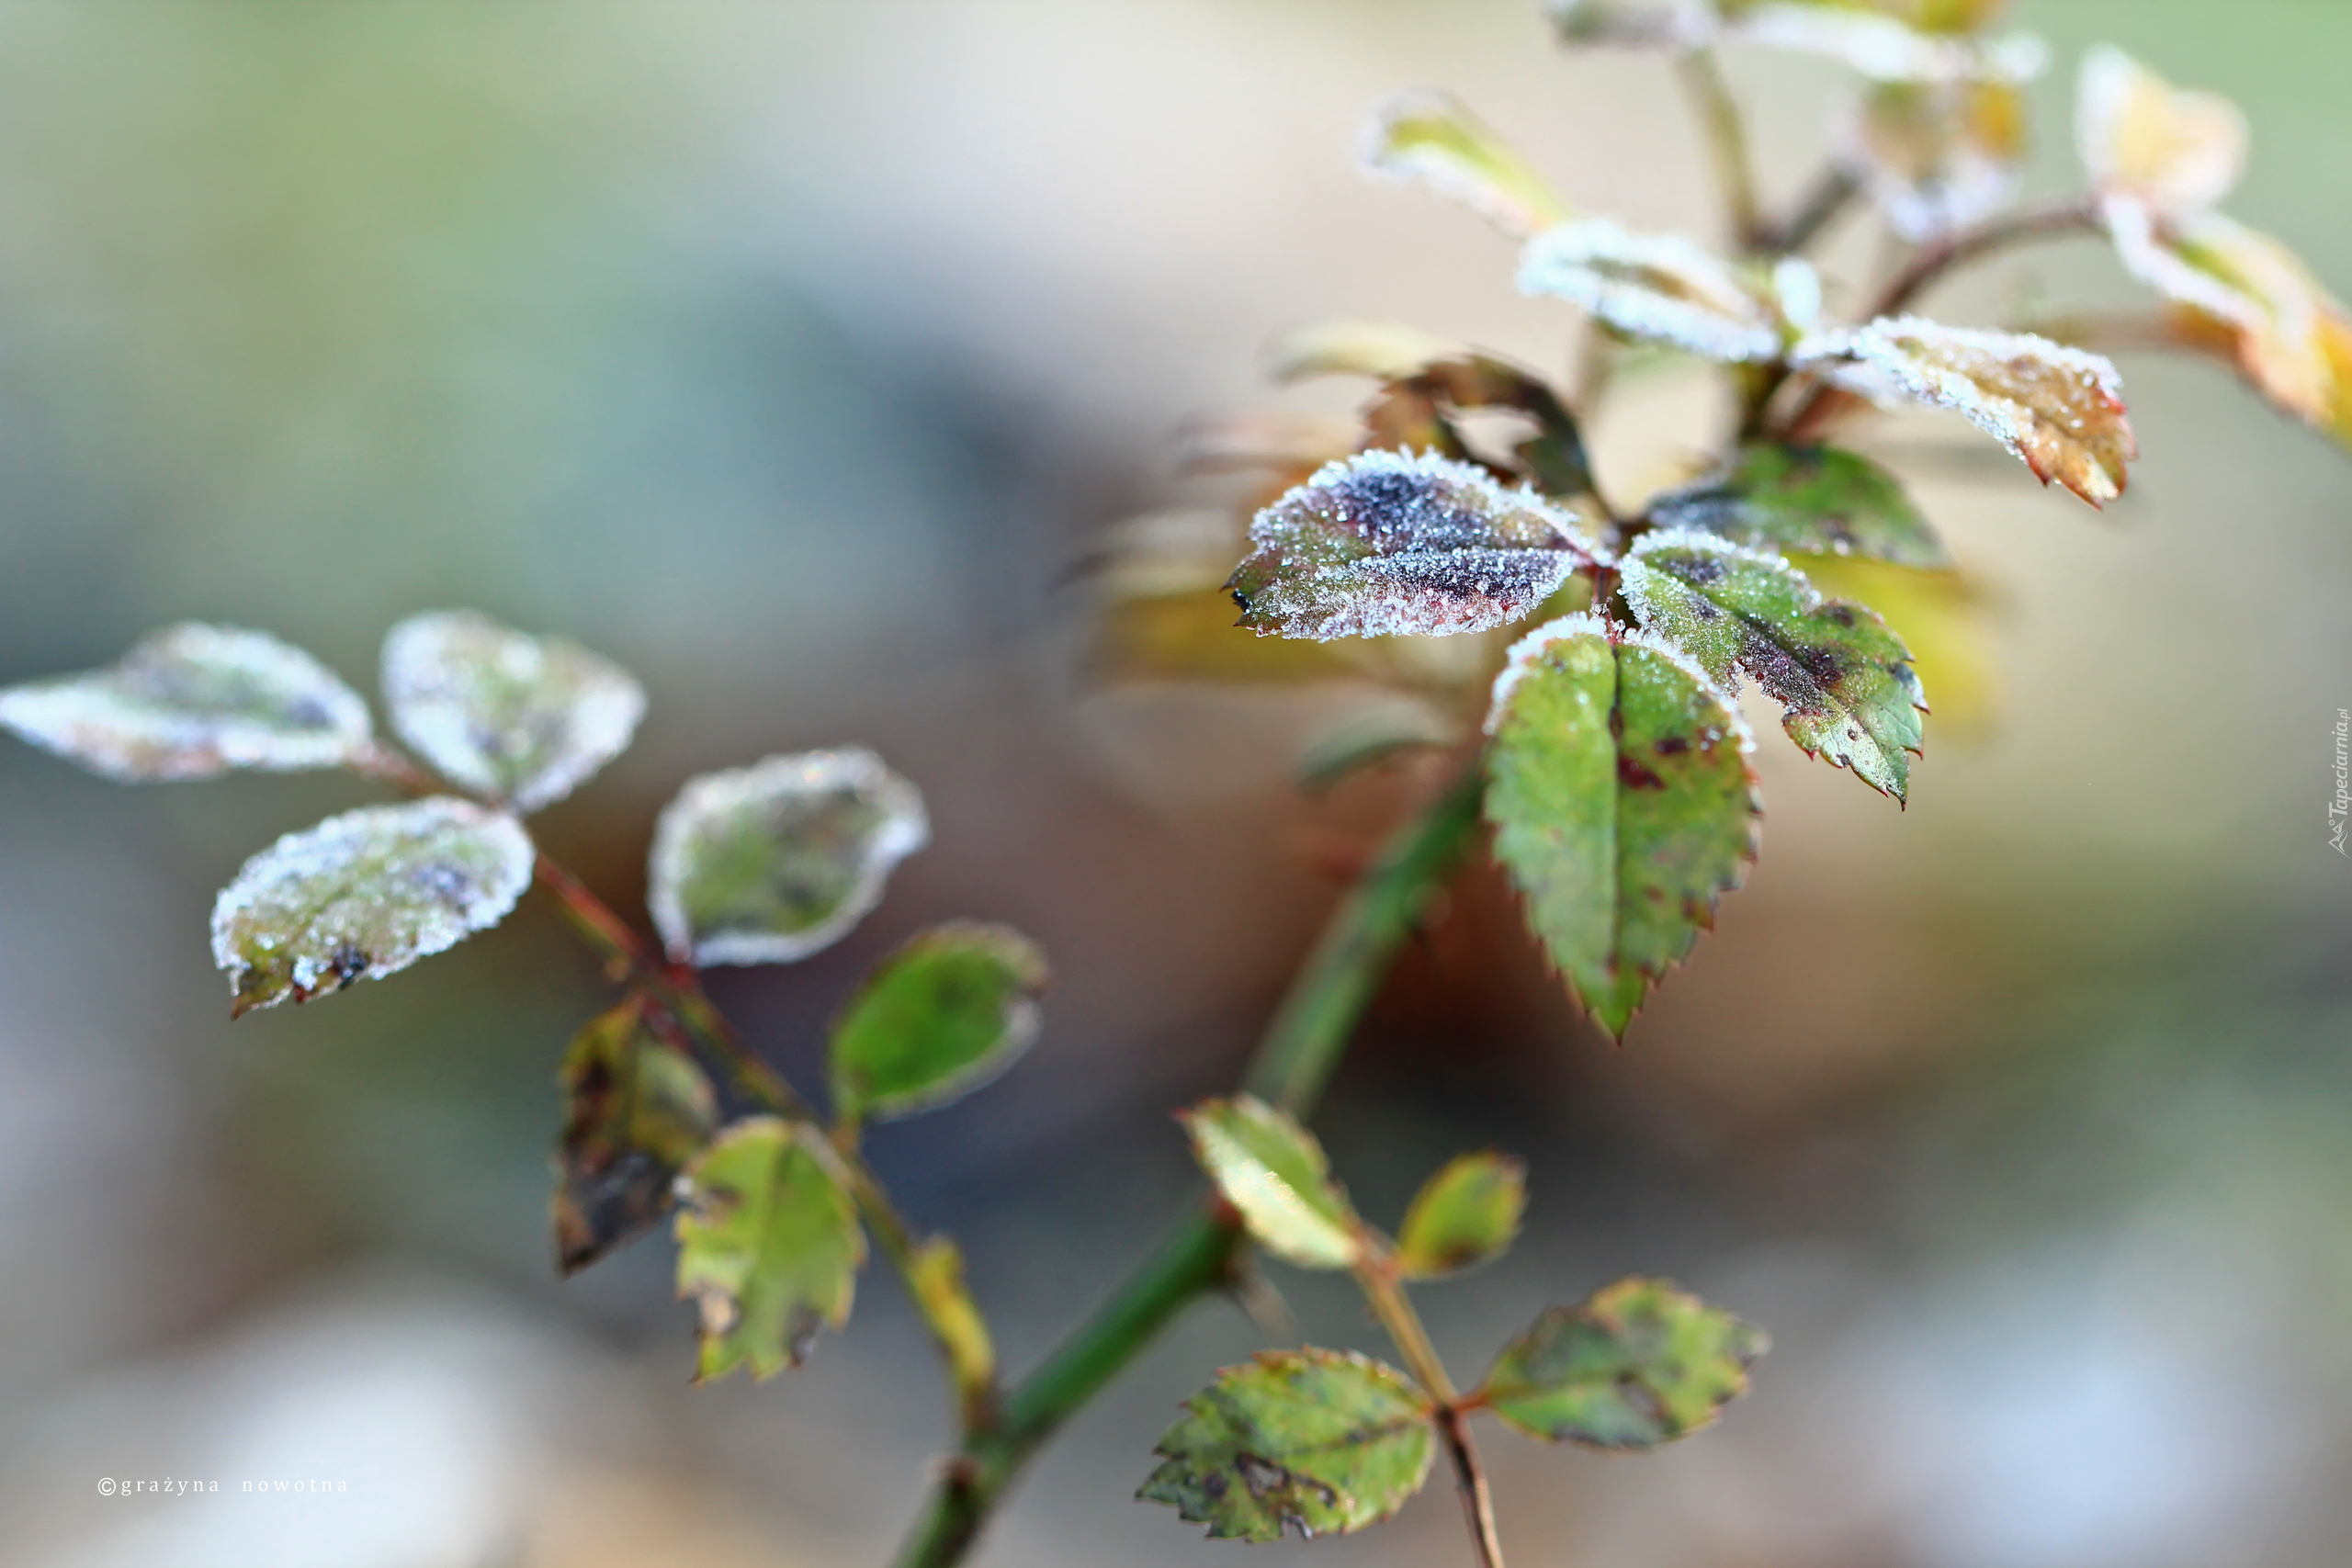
[1470,1480]
[1829,195]
[1727,139]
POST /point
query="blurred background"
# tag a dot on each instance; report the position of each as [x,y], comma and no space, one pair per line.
[792,354]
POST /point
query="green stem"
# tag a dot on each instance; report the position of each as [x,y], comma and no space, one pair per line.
[1302,1044]
[1726,138]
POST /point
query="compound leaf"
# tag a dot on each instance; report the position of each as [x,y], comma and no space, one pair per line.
[2061,410]
[1464,1215]
[1435,138]
[524,720]
[1386,542]
[939,1018]
[1665,288]
[1638,1365]
[1274,1171]
[1323,1441]
[1817,499]
[1619,786]
[768,1248]
[363,895]
[635,1112]
[193,702]
[2178,152]
[1845,679]
[771,862]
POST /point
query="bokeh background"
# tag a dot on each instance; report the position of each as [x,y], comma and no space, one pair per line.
[792,353]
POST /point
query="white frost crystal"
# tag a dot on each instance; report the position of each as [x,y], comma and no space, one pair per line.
[769,863]
[1661,287]
[522,720]
[365,894]
[192,701]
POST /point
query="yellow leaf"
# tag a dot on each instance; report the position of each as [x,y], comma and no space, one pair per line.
[2177,150]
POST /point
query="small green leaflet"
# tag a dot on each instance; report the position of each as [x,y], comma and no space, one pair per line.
[1321,1442]
[192,701]
[1274,1172]
[1619,786]
[1385,543]
[939,1018]
[636,1111]
[771,862]
[1638,1365]
[522,720]
[1464,1215]
[1845,679]
[1665,288]
[1813,500]
[768,1248]
[365,894]
[1434,137]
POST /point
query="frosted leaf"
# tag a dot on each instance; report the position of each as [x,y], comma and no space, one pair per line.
[1434,138]
[1623,806]
[1815,500]
[193,702]
[1388,543]
[1844,678]
[365,894]
[1660,286]
[2061,410]
[2179,152]
[1652,24]
[769,863]
[522,720]
[2252,300]
[1887,48]
[1383,350]
[1936,157]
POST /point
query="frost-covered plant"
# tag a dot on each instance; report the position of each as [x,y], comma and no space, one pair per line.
[1604,747]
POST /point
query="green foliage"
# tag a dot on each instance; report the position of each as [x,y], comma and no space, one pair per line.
[635,1112]
[365,894]
[520,720]
[1845,679]
[938,1019]
[1321,1442]
[1274,1171]
[771,862]
[191,702]
[1638,1365]
[1813,499]
[768,1248]
[1435,138]
[1619,788]
[1463,1216]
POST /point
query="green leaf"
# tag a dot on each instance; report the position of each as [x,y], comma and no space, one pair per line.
[363,895]
[771,862]
[1320,1441]
[1434,137]
[768,1248]
[1638,1365]
[1272,1169]
[1845,679]
[1388,543]
[1667,289]
[940,1017]
[1463,1216]
[635,1112]
[1554,455]
[193,702]
[524,720]
[1817,499]
[1619,786]
[2059,409]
